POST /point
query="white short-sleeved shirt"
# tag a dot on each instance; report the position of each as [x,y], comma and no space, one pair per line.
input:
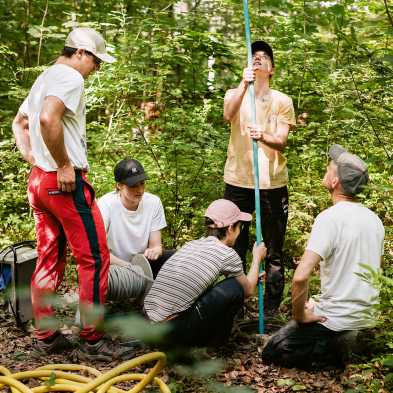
[67,84]
[345,236]
[187,274]
[128,231]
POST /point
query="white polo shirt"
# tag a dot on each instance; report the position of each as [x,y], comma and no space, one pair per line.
[67,84]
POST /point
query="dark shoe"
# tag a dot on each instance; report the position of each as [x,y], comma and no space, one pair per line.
[130,343]
[105,350]
[58,344]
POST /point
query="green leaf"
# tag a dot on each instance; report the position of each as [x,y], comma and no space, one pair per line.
[285,382]
[51,380]
[298,387]
[388,362]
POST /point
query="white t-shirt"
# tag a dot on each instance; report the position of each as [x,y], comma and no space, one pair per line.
[128,231]
[67,84]
[346,235]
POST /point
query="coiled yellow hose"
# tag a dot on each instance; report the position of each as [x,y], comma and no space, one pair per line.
[57,378]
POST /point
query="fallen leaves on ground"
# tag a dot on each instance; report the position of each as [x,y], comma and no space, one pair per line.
[241,366]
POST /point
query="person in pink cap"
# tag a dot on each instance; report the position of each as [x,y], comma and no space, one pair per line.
[201,312]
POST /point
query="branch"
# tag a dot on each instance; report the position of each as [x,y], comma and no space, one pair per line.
[388,12]
[42,33]
[366,113]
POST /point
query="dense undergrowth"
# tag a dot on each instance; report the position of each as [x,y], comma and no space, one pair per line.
[333,58]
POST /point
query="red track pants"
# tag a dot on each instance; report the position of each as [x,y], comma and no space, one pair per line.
[62,217]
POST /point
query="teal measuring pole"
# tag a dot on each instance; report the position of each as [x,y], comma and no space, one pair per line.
[255,164]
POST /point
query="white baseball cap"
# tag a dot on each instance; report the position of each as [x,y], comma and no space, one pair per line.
[90,40]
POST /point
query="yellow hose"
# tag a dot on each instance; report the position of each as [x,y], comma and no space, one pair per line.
[60,377]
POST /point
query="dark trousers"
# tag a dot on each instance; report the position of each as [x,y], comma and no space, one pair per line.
[308,346]
[208,322]
[157,264]
[274,218]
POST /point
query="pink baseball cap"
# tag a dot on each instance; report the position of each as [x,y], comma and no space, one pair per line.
[224,213]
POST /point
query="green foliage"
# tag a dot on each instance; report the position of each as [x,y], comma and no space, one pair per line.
[383,309]
[383,316]
[335,60]
[330,59]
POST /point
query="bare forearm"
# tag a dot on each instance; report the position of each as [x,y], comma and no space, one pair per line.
[22,137]
[53,136]
[252,276]
[154,248]
[299,298]
[274,141]
[232,105]
[114,260]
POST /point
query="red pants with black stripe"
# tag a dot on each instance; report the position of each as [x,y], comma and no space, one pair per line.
[72,218]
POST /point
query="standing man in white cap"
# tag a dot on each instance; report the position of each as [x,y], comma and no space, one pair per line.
[343,238]
[275,117]
[50,132]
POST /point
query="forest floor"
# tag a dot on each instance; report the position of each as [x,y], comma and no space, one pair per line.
[240,365]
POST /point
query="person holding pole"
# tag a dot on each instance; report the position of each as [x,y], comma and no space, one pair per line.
[275,116]
[186,295]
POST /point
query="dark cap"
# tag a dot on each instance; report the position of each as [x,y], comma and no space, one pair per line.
[129,172]
[351,170]
[262,46]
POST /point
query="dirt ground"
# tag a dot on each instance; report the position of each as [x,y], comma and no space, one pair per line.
[235,368]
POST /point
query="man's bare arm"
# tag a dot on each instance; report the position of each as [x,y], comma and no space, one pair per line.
[114,260]
[300,288]
[154,250]
[53,135]
[278,141]
[20,128]
[233,102]
[250,281]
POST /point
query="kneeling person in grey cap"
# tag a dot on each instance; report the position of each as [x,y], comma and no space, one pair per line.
[133,222]
[343,237]
[184,294]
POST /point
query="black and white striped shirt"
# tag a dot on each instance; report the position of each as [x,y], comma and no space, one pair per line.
[188,274]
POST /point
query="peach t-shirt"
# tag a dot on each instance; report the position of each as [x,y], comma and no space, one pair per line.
[273,173]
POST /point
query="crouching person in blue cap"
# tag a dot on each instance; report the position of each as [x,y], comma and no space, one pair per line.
[344,237]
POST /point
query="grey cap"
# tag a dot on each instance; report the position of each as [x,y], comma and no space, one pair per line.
[351,170]
[90,40]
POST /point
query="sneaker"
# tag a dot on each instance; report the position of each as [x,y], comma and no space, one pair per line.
[130,343]
[105,350]
[58,344]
